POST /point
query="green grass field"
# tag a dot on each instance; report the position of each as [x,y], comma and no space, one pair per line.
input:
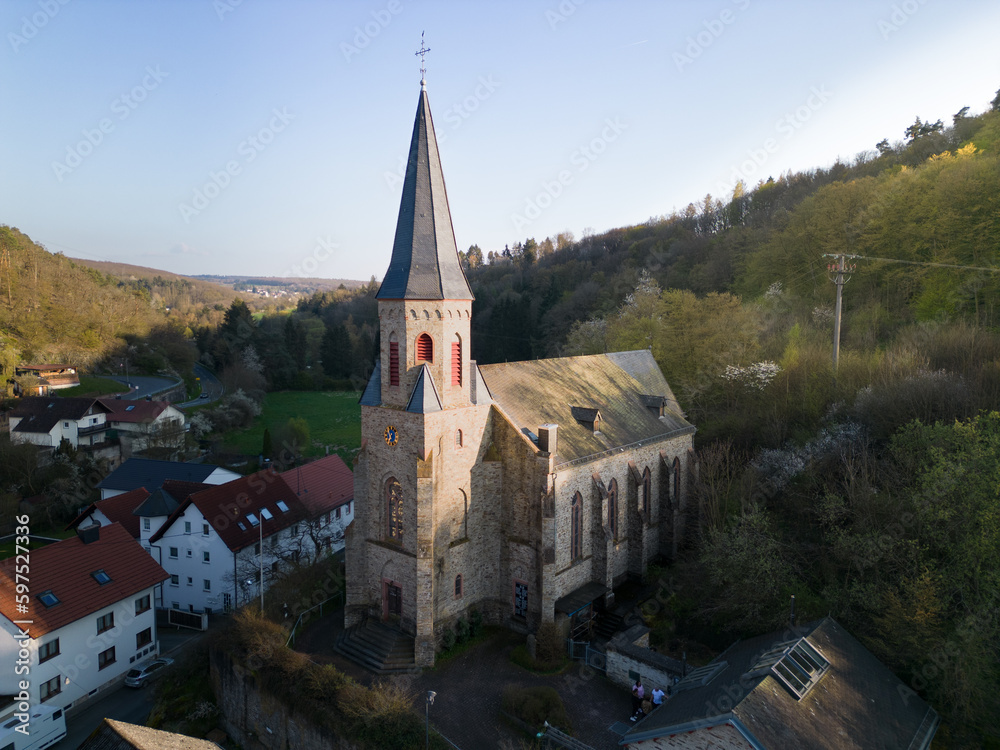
[8,547]
[334,419]
[92,385]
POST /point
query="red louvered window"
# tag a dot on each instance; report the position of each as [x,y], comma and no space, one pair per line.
[393,363]
[456,363]
[425,348]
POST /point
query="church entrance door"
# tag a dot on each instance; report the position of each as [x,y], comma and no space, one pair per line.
[392,600]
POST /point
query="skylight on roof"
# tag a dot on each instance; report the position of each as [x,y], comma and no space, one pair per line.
[266,514]
[701,676]
[800,668]
[282,506]
[101,577]
[48,598]
[242,527]
[252,519]
[130,407]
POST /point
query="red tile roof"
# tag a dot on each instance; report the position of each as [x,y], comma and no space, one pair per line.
[118,509]
[65,568]
[322,485]
[226,507]
[132,410]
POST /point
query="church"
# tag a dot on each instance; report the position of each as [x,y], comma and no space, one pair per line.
[524,491]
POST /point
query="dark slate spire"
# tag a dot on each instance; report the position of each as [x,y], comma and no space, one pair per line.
[424,262]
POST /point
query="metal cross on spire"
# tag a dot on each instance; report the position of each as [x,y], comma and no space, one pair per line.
[422,51]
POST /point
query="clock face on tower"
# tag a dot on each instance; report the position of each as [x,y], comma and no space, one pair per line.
[390,435]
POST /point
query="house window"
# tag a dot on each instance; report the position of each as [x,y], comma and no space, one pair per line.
[256,548]
[458,586]
[295,530]
[187,527]
[173,553]
[146,524]
[274,541]
[425,348]
[189,553]
[142,604]
[175,580]
[393,363]
[144,638]
[336,513]
[106,658]
[204,529]
[458,438]
[613,508]
[394,510]
[576,525]
[274,568]
[456,362]
[190,581]
[347,508]
[206,584]
[48,650]
[647,483]
[50,689]
[206,557]
[105,622]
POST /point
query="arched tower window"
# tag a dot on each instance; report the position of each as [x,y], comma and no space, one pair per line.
[458,438]
[613,508]
[458,586]
[393,360]
[456,361]
[394,510]
[677,481]
[425,348]
[576,527]
[647,485]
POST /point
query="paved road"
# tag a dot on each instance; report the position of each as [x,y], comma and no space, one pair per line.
[210,385]
[144,385]
[123,704]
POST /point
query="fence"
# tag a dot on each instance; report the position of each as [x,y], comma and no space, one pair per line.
[304,617]
[592,657]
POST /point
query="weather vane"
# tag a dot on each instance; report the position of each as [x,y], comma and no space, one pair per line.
[422,51]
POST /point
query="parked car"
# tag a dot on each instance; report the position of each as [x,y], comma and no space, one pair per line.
[142,674]
[204,395]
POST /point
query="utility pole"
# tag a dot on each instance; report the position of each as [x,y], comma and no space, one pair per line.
[838,271]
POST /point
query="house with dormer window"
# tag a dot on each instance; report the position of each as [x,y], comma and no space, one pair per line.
[90,616]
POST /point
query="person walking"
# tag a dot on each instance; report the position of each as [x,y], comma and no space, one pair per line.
[657,697]
[638,693]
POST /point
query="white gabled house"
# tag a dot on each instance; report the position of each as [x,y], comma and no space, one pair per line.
[220,539]
[90,616]
[152,473]
[47,421]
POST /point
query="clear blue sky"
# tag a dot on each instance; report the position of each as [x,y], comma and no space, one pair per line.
[552,116]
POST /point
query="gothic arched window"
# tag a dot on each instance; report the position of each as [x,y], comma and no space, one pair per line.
[458,586]
[393,360]
[677,482]
[425,348]
[394,510]
[647,484]
[613,508]
[456,361]
[576,527]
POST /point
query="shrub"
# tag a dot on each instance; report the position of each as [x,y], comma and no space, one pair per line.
[461,630]
[381,715]
[448,639]
[550,650]
[535,706]
[475,622]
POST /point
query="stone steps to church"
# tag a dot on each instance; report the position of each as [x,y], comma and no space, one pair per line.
[378,648]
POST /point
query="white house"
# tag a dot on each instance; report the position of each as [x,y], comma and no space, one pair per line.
[326,488]
[141,424]
[211,544]
[47,421]
[89,616]
[151,474]
[118,509]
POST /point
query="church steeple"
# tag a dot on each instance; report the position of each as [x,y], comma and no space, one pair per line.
[424,262]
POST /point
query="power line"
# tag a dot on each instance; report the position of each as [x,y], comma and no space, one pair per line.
[989,269]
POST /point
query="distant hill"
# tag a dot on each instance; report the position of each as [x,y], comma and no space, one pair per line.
[290,285]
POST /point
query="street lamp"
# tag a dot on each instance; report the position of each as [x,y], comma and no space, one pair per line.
[431,695]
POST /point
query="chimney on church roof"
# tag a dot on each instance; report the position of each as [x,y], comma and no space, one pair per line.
[424,263]
[548,438]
